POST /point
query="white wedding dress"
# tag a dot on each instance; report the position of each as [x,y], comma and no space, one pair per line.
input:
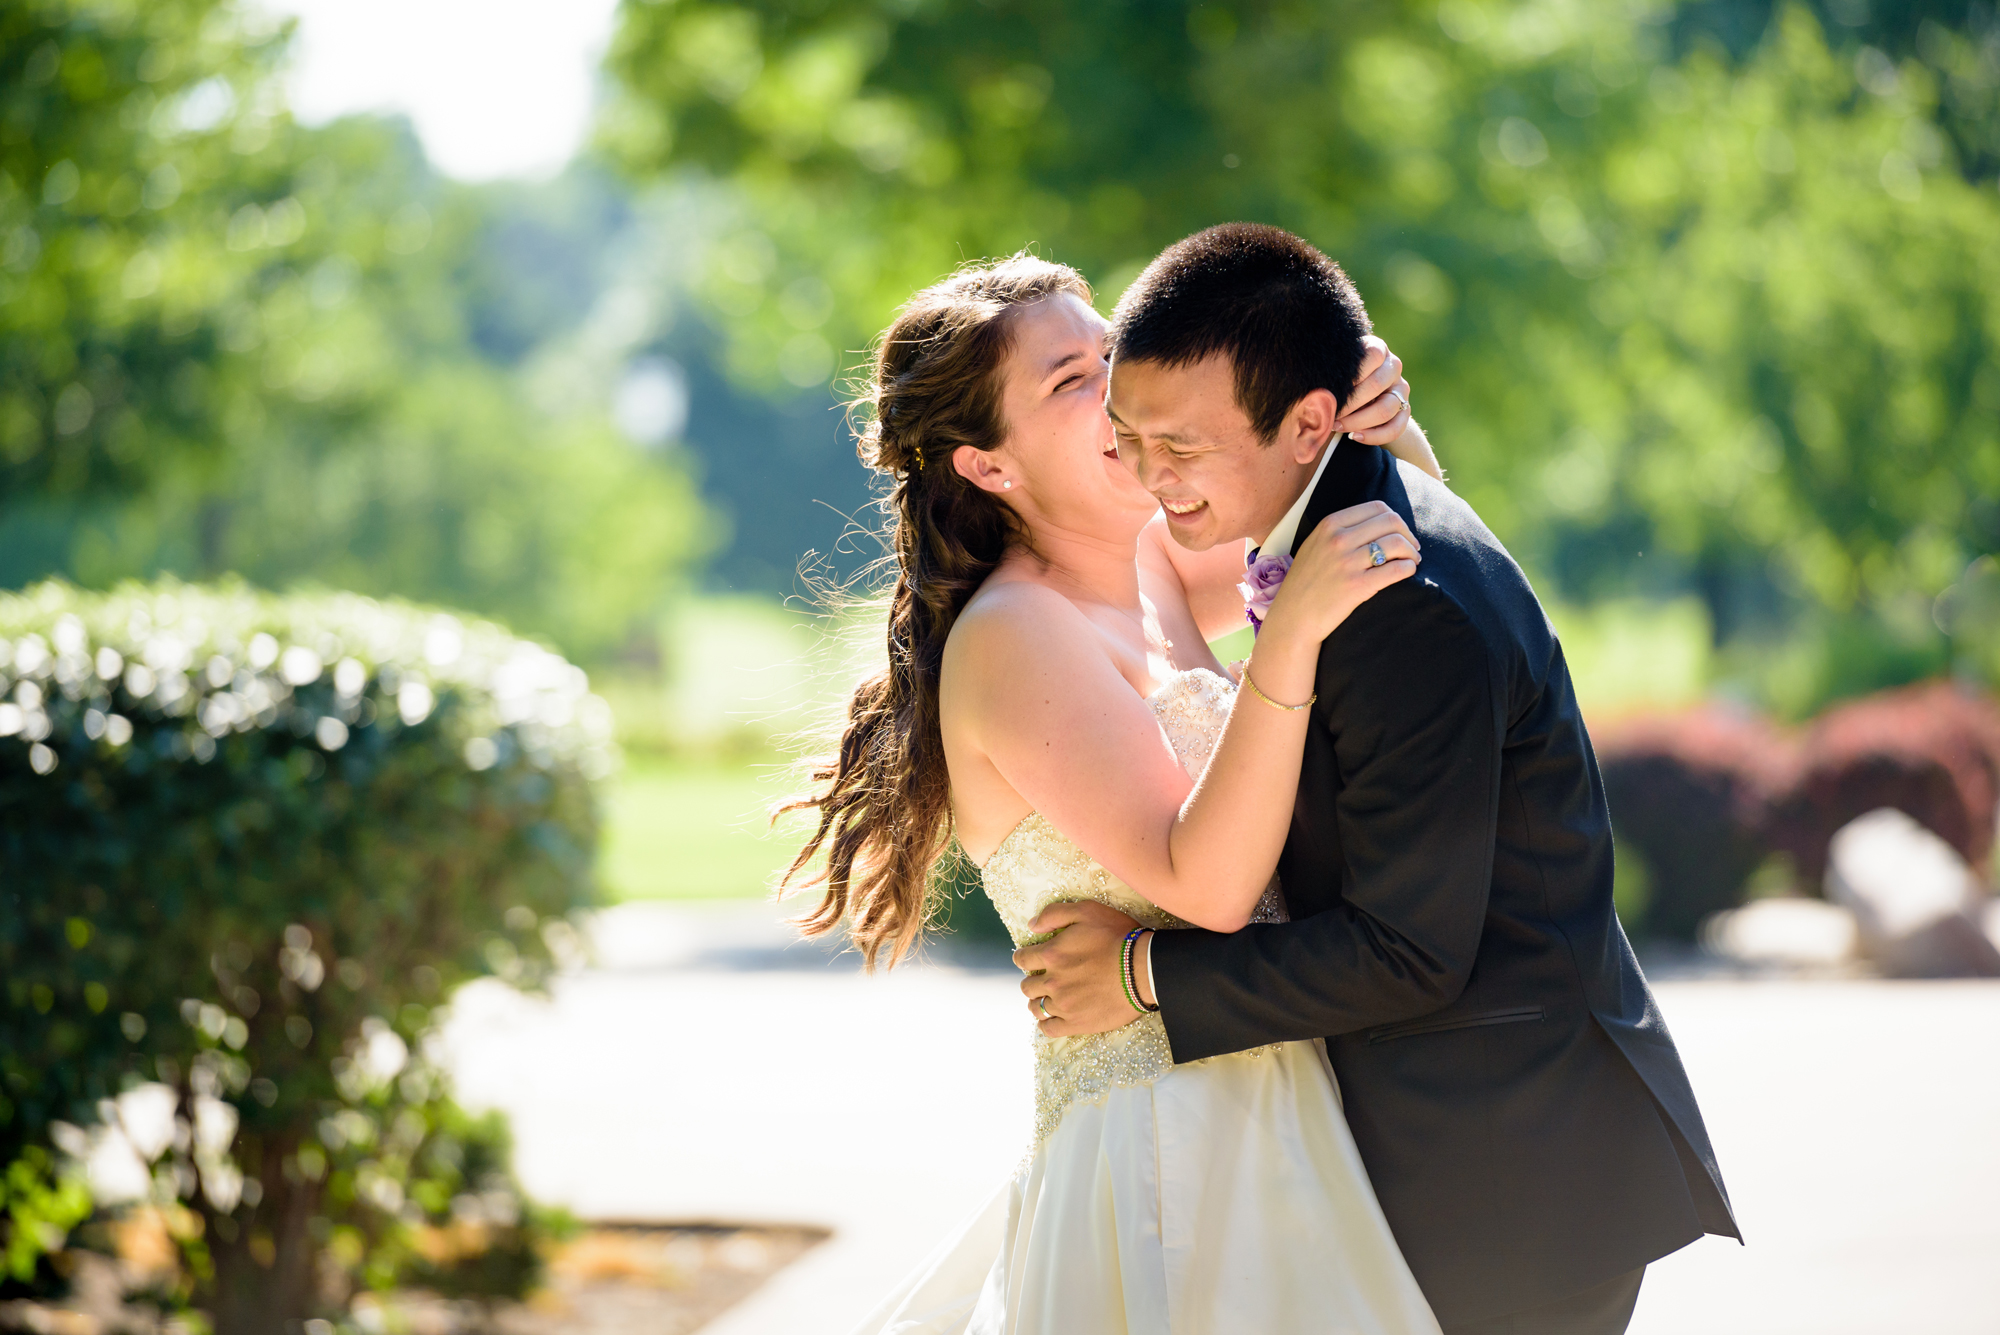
[1219,1197]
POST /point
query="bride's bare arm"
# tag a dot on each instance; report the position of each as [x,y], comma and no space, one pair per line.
[1035,692]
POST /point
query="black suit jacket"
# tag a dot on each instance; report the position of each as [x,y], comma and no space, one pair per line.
[1512,1088]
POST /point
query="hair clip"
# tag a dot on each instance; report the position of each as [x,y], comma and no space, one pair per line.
[918,450]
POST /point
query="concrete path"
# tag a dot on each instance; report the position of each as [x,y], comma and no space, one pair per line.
[708,1070]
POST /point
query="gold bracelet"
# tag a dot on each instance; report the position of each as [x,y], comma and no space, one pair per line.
[1258,691]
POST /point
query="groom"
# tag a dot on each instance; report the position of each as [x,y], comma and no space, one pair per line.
[1513,1090]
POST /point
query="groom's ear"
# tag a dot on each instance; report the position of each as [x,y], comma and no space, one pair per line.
[1309,425]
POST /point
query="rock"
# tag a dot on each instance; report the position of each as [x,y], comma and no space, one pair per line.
[1786,933]
[1917,903]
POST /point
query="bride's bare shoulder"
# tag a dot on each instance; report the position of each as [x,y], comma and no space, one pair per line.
[1009,619]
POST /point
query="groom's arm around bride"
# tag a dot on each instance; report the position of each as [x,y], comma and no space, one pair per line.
[1525,1119]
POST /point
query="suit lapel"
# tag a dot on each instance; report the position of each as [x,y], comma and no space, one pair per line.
[1356,473]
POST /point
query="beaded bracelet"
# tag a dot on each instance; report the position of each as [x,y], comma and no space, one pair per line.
[1258,691]
[1125,975]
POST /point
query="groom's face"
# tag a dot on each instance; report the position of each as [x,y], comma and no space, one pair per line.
[1189,442]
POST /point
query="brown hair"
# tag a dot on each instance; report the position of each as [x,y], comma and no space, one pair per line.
[884,799]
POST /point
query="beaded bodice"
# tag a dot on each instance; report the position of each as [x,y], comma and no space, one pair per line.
[1036,866]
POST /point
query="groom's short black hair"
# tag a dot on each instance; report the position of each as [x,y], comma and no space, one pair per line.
[1285,314]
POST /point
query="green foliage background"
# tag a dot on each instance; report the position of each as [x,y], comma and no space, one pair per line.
[1699,299]
[232,343]
[1696,298]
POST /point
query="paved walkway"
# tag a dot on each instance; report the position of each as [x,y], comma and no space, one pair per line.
[705,1070]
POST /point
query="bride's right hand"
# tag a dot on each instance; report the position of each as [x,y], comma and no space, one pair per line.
[1332,574]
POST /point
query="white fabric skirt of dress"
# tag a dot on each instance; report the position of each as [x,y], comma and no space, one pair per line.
[1224,1198]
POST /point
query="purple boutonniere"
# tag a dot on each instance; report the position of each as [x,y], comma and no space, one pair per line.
[1260,586]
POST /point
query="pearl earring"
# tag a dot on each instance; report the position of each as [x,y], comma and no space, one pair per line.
[1008,484]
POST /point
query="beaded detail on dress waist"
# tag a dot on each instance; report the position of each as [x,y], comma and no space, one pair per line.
[1036,865]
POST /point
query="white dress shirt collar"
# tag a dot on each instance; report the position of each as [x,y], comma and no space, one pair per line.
[1287,531]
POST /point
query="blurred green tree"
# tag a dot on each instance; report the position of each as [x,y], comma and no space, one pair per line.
[1682,315]
[229,342]
[132,141]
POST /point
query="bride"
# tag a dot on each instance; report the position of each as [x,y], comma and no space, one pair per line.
[1051,704]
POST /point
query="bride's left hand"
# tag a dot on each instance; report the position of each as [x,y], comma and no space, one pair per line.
[1077,969]
[1379,408]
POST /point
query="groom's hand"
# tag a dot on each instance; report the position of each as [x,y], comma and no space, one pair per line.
[1077,969]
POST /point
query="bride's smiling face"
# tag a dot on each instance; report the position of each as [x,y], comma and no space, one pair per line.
[1060,453]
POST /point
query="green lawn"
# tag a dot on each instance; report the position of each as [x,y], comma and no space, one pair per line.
[1233,646]
[693,829]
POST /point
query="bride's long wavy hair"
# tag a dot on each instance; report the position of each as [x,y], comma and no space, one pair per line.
[884,798]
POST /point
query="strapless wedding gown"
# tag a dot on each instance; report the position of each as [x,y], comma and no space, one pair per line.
[1219,1197]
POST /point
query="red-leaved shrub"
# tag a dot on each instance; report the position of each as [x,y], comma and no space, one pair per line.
[1690,795]
[1704,796]
[1930,750]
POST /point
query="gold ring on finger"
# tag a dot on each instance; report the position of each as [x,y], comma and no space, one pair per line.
[1376,556]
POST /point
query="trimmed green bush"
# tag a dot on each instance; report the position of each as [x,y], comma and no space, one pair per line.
[250,845]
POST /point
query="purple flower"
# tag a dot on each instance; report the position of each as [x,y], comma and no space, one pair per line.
[1260,587]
